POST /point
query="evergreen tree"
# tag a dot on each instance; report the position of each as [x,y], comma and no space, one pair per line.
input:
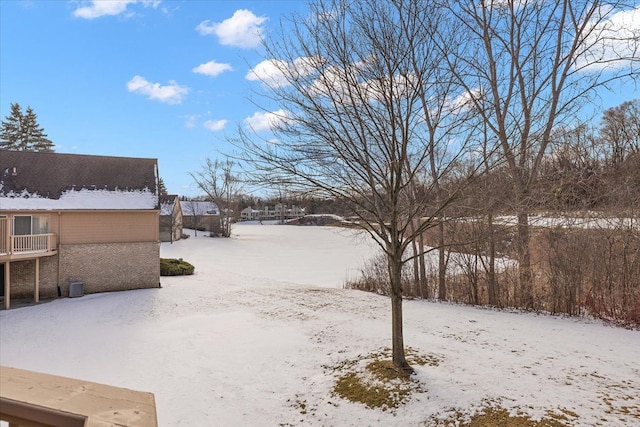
[22,132]
[10,132]
[162,189]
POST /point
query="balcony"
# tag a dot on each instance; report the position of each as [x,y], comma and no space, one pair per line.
[27,246]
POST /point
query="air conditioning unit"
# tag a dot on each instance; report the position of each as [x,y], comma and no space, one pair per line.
[76,288]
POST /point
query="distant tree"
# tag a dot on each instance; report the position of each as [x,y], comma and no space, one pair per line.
[620,131]
[221,184]
[162,189]
[530,66]
[22,132]
[195,211]
[10,132]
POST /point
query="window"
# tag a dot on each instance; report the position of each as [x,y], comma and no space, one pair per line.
[30,224]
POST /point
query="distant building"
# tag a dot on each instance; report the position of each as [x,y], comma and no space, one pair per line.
[277,212]
[170,218]
[68,217]
[200,215]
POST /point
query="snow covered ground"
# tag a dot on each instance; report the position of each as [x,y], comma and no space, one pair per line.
[250,338]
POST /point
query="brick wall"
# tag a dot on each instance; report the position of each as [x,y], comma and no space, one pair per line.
[23,274]
[110,266]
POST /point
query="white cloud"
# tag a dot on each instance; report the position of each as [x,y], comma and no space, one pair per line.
[465,101]
[215,125]
[97,8]
[271,72]
[212,68]
[172,93]
[265,120]
[612,43]
[243,29]
[276,73]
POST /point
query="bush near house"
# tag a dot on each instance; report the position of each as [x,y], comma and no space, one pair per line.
[175,267]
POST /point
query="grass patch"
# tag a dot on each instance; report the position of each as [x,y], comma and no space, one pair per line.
[502,417]
[373,381]
[497,416]
[175,267]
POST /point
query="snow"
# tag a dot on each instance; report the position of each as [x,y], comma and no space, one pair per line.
[81,199]
[249,337]
[568,221]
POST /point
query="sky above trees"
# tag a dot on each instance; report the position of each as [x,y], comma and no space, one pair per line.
[162,79]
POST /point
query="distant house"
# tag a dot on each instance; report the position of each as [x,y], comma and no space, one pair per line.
[277,212]
[250,214]
[170,218]
[200,215]
[77,218]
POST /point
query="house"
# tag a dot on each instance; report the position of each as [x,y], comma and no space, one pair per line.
[200,215]
[170,218]
[250,214]
[69,219]
[278,212]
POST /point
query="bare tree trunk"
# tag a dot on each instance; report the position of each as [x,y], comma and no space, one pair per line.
[416,256]
[442,267]
[491,273]
[525,277]
[424,288]
[397,337]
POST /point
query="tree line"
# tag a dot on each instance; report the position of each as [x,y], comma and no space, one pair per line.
[415,114]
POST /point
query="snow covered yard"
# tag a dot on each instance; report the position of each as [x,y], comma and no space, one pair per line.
[251,339]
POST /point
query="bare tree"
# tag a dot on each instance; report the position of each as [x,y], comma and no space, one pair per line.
[443,111]
[529,67]
[351,124]
[221,184]
[192,214]
[620,131]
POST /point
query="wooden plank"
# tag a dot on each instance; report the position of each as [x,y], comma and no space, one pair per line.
[101,404]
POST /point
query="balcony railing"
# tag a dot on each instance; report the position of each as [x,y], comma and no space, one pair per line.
[24,245]
[32,243]
[4,236]
[28,245]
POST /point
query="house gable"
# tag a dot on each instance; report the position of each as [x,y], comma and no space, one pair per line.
[54,181]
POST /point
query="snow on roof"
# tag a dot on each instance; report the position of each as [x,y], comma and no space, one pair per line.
[81,199]
[39,180]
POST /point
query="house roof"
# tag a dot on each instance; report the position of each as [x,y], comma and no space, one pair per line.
[167,203]
[193,207]
[37,180]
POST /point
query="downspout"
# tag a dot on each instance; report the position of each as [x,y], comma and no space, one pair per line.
[59,244]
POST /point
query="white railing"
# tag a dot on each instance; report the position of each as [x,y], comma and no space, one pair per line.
[4,236]
[32,243]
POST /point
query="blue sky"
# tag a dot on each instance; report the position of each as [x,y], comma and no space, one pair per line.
[131,78]
[161,79]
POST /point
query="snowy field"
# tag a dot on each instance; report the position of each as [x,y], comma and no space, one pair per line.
[250,338]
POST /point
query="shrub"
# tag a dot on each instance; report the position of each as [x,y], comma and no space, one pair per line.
[175,267]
